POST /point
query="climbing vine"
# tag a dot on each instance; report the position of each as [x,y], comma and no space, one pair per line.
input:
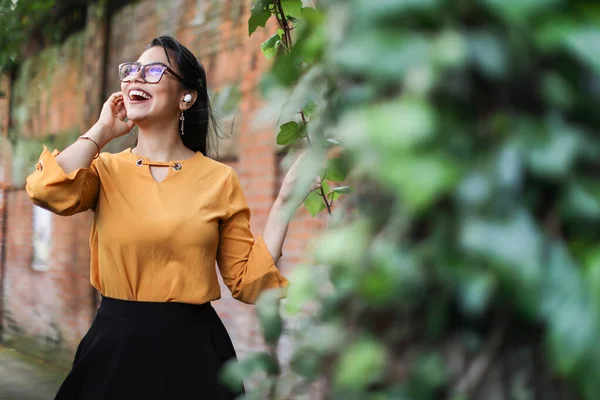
[463,262]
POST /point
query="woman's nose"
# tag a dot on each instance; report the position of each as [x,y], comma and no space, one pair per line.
[137,76]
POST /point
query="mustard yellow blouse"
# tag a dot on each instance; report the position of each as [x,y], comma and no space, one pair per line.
[159,241]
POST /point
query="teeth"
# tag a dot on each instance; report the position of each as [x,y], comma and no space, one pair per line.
[139,93]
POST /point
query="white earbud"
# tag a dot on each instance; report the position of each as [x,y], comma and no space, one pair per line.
[187,98]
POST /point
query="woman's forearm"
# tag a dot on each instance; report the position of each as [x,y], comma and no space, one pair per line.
[81,153]
[276,229]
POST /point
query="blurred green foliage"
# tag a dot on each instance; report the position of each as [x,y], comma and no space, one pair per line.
[470,134]
[19,20]
[27,26]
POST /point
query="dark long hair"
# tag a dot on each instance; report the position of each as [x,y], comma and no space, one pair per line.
[199,119]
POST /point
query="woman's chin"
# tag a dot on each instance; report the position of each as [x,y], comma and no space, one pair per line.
[137,118]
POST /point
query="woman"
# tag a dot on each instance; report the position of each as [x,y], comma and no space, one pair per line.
[163,214]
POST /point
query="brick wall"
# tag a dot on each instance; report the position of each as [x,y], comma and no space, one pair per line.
[46,312]
[4,103]
[49,91]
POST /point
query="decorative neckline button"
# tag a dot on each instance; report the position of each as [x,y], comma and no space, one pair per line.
[175,165]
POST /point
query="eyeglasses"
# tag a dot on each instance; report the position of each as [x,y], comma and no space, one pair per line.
[151,73]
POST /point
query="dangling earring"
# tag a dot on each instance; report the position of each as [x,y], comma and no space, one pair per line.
[182,119]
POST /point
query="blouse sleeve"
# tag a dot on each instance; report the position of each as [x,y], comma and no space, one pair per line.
[246,265]
[51,188]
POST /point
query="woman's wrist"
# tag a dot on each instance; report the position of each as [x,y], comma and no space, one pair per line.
[99,134]
[282,209]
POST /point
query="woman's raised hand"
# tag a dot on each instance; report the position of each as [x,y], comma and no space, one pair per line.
[112,118]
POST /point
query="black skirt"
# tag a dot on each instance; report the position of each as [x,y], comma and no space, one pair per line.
[150,351]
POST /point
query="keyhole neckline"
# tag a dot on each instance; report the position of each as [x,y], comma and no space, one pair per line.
[146,160]
[175,165]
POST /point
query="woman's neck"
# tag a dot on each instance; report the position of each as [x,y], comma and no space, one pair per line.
[161,144]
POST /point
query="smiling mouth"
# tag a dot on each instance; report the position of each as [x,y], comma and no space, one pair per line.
[139,95]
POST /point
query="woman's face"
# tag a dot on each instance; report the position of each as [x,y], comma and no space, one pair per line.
[160,100]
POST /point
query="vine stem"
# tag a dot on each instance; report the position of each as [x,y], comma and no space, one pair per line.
[323,195]
[283,23]
[287,44]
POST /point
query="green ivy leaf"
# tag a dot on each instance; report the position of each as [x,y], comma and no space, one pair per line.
[286,69]
[337,192]
[337,169]
[325,187]
[312,15]
[234,372]
[517,10]
[393,126]
[515,242]
[327,338]
[571,316]
[513,246]
[344,245]
[259,16]
[257,20]
[331,142]
[267,308]
[269,47]
[378,285]
[289,133]
[592,273]
[382,54]
[557,91]
[314,203]
[419,179]
[581,41]
[292,8]
[555,154]
[429,374]
[301,290]
[305,362]
[476,292]
[361,364]
[475,189]
[450,49]
[583,200]
[343,190]
[310,109]
[489,53]
[552,32]
[378,10]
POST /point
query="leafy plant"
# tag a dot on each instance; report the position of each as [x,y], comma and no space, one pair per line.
[464,261]
[29,25]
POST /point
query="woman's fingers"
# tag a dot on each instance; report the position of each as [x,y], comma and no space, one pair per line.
[114,100]
[119,107]
[119,113]
[115,96]
[317,183]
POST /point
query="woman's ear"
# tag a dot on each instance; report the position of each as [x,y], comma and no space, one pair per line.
[188,99]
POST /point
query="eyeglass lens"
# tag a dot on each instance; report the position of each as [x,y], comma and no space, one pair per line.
[151,73]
